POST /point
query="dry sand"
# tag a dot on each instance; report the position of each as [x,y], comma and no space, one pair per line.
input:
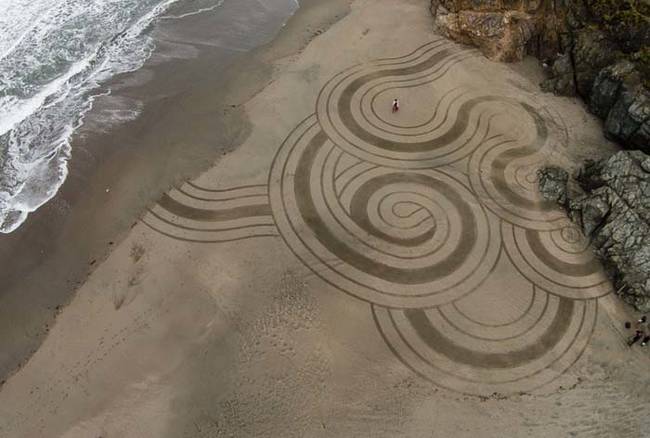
[191,93]
[347,271]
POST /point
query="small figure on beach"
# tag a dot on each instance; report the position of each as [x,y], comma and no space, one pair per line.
[641,324]
[395,105]
[636,338]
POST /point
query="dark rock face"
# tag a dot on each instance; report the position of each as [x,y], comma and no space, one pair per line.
[502,29]
[501,36]
[629,119]
[575,71]
[606,61]
[619,97]
[614,212]
[608,86]
[592,51]
[562,80]
[553,184]
[597,49]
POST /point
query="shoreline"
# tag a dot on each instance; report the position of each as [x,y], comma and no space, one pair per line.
[114,175]
[345,270]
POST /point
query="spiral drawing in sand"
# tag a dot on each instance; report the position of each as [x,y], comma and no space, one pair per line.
[472,280]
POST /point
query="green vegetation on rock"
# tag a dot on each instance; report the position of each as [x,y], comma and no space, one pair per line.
[642,61]
[626,21]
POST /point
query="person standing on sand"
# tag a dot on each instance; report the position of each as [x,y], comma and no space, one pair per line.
[636,338]
[641,324]
[395,105]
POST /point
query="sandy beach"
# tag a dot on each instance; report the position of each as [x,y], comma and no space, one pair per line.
[269,251]
[191,115]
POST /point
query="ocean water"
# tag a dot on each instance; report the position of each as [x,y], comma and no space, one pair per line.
[54,54]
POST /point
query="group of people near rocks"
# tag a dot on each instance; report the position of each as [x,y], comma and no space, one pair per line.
[640,332]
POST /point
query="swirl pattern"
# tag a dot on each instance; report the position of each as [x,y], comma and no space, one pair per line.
[475,282]
[456,352]
[559,261]
[395,238]
[432,218]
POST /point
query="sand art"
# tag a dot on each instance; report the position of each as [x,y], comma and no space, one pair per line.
[473,281]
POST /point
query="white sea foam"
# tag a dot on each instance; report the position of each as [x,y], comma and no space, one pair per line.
[53,53]
[195,12]
[14,110]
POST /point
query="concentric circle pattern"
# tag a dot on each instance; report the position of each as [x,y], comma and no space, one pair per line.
[433,217]
[503,173]
[415,238]
[475,357]
[559,261]
[350,108]
[430,215]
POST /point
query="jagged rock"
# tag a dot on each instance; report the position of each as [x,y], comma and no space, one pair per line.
[589,212]
[619,96]
[612,86]
[614,212]
[575,71]
[486,5]
[608,86]
[502,36]
[553,184]
[598,65]
[589,176]
[597,50]
[627,173]
[502,29]
[561,81]
[629,119]
[592,51]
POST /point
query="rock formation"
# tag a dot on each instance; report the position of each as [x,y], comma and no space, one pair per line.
[505,30]
[553,184]
[596,49]
[619,96]
[588,53]
[614,212]
[605,59]
[502,36]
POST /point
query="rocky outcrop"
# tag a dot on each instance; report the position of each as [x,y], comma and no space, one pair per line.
[613,86]
[501,36]
[575,71]
[562,80]
[619,96]
[596,49]
[606,61]
[504,30]
[614,212]
[553,184]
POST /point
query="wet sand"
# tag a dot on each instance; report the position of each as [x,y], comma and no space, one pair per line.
[344,271]
[191,92]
